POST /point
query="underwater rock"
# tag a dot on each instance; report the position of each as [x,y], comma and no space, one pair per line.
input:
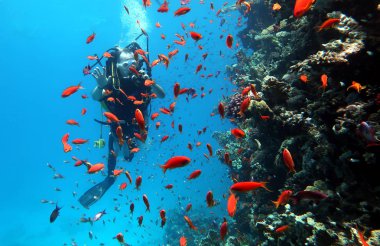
[339,50]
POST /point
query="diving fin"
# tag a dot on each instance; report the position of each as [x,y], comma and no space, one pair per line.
[96,192]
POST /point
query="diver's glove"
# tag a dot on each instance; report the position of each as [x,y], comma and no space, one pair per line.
[101,78]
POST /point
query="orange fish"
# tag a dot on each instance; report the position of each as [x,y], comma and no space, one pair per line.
[190,223]
[157,124]
[172,106]
[244,106]
[194,174]
[283,198]
[248,7]
[328,23]
[140,119]
[361,237]
[238,133]
[164,7]
[324,80]
[90,38]
[288,160]
[134,150]
[221,110]
[111,116]
[227,159]
[138,182]
[196,36]
[71,90]
[356,86]
[123,186]
[282,229]
[229,41]
[176,89]
[183,241]
[158,25]
[154,116]
[301,7]
[107,55]
[264,117]
[146,3]
[79,141]
[140,137]
[181,11]
[223,229]
[119,134]
[164,59]
[72,122]
[209,149]
[175,162]
[117,172]
[95,168]
[164,138]
[91,58]
[173,53]
[66,147]
[210,199]
[276,7]
[303,78]
[248,186]
[83,112]
[231,204]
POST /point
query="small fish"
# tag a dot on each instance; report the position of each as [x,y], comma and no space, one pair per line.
[276,7]
[164,7]
[303,78]
[223,229]
[328,23]
[146,202]
[301,7]
[126,9]
[181,11]
[175,162]
[183,241]
[229,41]
[55,213]
[248,186]
[71,90]
[140,220]
[99,215]
[194,174]
[283,198]
[231,204]
[210,199]
[196,36]
[221,110]
[138,182]
[238,133]
[315,196]
[356,86]
[288,160]
[90,38]
[190,223]
[86,70]
[282,229]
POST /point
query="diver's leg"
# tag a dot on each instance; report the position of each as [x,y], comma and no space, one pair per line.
[96,192]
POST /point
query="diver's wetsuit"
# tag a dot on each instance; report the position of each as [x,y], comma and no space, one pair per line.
[124,109]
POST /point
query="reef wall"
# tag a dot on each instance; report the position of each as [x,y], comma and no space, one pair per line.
[331,131]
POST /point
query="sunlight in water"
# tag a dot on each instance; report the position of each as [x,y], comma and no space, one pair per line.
[129,28]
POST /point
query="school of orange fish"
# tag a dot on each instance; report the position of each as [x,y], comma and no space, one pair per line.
[301,8]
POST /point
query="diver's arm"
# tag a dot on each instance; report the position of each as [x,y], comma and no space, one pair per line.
[97,93]
[158,90]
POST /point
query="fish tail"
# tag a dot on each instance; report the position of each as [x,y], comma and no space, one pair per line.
[264,185]
[163,168]
[276,203]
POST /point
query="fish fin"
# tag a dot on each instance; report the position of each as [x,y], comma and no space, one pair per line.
[264,185]
[276,203]
[163,168]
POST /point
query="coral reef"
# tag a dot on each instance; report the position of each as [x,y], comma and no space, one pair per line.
[331,130]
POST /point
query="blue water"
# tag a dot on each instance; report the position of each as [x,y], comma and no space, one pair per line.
[43,51]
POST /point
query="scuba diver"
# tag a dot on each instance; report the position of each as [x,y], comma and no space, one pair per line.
[122,77]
